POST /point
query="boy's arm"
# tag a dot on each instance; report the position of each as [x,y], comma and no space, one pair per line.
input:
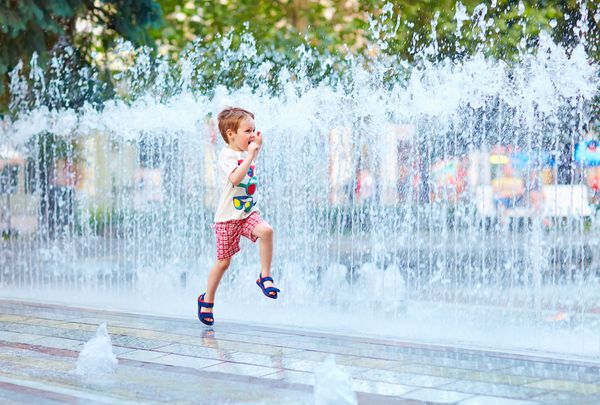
[241,171]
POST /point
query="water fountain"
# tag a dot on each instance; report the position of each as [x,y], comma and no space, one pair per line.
[443,207]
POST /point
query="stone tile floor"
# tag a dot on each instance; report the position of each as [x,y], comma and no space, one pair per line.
[178,360]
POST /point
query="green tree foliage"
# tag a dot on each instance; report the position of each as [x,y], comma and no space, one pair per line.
[28,26]
[502,28]
[281,25]
[330,25]
[399,29]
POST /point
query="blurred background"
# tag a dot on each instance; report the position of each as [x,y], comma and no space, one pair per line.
[434,163]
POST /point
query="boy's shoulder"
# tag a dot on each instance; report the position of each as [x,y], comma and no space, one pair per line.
[226,151]
[228,155]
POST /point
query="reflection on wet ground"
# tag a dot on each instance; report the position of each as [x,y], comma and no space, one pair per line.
[168,359]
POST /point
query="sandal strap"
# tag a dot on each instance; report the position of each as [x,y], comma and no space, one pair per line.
[272,289]
[206,315]
[263,279]
[205,304]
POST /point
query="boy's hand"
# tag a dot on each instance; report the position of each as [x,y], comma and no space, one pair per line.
[258,138]
[253,148]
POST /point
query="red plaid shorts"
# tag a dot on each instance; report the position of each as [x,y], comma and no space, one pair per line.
[229,233]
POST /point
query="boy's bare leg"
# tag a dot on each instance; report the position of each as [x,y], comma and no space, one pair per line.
[264,232]
[214,278]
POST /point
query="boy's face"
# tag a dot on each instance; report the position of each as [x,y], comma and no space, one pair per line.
[245,134]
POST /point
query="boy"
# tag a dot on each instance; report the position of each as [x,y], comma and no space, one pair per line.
[236,213]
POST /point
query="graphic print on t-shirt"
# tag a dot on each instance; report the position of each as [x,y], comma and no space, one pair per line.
[246,202]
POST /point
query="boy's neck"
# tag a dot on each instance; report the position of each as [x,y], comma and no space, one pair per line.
[234,149]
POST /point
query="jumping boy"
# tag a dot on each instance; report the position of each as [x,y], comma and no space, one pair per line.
[236,213]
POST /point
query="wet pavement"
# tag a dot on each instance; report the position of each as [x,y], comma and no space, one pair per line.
[179,360]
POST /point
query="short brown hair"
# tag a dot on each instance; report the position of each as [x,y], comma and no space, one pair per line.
[230,118]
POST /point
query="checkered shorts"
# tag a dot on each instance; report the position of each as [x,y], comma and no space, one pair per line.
[229,233]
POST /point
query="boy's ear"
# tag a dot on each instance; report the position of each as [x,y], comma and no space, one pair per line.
[228,133]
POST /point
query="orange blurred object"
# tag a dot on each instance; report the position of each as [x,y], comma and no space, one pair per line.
[593,178]
[560,316]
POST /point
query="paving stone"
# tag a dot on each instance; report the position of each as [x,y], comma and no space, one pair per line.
[562,385]
[184,361]
[393,377]
[38,362]
[235,337]
[566,398]
[487,400]
[254,348]
[148,334]
[11,318]
[558,367]
[79,326]
[547,372]
[374,363]
[292,376]
[500,390]
[482,364]
[241,369]
[44,322]
[118,350]
[140,355]
[59,343]
[462,374]
[436,396]
[163,359]
[17,337]
[137,343]
[381,388]
[196,351]
[320,356]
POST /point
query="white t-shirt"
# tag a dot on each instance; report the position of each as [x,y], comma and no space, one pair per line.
[236,202]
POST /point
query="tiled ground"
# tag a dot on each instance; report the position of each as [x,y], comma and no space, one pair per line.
[163,359]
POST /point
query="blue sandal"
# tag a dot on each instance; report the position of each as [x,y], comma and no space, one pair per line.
[261,283]
[205,316]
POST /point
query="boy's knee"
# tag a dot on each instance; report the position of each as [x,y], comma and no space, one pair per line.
[268,231]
